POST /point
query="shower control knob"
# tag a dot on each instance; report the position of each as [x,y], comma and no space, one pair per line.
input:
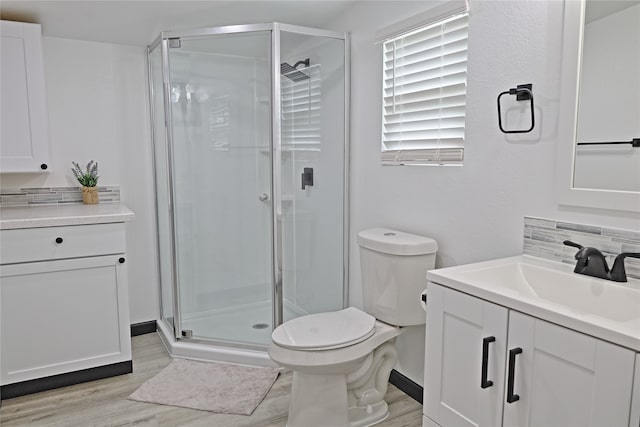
[263,197]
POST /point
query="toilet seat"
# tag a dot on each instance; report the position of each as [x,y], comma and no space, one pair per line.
[325,331]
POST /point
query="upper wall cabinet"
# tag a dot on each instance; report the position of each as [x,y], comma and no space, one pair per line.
[24,143]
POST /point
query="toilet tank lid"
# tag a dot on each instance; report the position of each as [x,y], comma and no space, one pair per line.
[396,242]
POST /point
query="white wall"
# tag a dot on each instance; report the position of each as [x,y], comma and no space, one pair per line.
[475,212]
[98,111]
[609,108]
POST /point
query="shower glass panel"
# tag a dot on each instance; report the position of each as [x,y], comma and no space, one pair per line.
[161,162]
[313,148]
[220,106]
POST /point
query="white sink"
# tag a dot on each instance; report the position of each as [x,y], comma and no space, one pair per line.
[551,291]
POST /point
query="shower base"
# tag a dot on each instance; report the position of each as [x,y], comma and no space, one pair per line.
[234,335]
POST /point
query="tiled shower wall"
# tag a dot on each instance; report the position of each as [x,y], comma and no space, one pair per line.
[543,238]
[53,196]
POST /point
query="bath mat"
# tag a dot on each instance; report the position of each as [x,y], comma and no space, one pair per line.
[224,388]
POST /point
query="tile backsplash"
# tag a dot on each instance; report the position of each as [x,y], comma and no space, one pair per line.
[53,196]
[543,238]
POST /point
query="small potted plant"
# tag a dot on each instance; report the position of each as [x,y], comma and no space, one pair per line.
[89,180]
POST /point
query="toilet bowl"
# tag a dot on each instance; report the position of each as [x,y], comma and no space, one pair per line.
[341,360]
[342,384]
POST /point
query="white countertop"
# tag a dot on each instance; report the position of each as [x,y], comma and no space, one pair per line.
[61,215]
[586,304]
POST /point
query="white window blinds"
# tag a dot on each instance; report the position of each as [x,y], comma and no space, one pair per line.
[425,79]
[301,99]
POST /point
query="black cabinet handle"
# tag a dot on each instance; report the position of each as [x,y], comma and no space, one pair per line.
[121,260]
[44,166]
[511,396]
[484,382]
[59,240]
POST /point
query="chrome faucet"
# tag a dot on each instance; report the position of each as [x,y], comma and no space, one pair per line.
[591,262]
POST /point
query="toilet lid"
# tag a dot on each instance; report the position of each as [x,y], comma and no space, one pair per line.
[325,331]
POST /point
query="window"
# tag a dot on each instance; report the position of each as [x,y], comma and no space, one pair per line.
[425,79]
[301,95]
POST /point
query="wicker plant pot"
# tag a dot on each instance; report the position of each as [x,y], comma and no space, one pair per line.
[90,195]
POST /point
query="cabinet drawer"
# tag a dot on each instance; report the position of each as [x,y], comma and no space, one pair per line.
[50,243]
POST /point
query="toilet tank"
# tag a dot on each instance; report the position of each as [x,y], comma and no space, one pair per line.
[394,268]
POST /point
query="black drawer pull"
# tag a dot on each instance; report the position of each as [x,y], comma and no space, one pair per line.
[511,396]
[44,166]
[484,382]
[121,260]
[59,240]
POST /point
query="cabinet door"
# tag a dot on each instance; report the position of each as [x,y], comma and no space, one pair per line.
[459,329]
[62,316]
[24,139]
[634,421]
[564,378]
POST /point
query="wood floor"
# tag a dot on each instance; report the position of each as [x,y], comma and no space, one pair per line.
[104,403]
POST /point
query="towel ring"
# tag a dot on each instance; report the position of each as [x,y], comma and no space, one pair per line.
[523,93]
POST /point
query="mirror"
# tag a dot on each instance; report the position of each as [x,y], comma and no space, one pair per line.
[598,165]
[609,98]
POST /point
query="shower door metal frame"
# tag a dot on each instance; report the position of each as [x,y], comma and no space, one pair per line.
[276,181]
[275,157]
[167,117]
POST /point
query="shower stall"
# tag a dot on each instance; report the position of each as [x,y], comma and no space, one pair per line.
[250,131]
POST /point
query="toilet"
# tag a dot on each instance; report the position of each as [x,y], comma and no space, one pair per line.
[341,360]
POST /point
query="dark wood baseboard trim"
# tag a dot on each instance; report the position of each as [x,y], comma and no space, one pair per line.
[405,384]
[62,380]
[143,328]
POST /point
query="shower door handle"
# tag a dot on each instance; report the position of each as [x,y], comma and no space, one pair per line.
[263,197]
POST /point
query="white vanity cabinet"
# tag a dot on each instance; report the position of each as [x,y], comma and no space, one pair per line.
[24,137]
[541,374]
[63,303]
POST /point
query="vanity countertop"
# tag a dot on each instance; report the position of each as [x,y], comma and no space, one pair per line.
[551,291]
[62,215]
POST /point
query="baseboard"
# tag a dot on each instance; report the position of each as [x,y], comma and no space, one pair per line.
[406,385]
[143,328]
[62,380]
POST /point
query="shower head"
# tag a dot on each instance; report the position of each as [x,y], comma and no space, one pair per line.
[291,72]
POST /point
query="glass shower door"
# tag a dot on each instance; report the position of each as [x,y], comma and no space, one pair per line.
[220,106]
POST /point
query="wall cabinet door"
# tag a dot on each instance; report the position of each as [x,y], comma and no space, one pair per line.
[62,316]
[465,351]
[24,139]
[564,378]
